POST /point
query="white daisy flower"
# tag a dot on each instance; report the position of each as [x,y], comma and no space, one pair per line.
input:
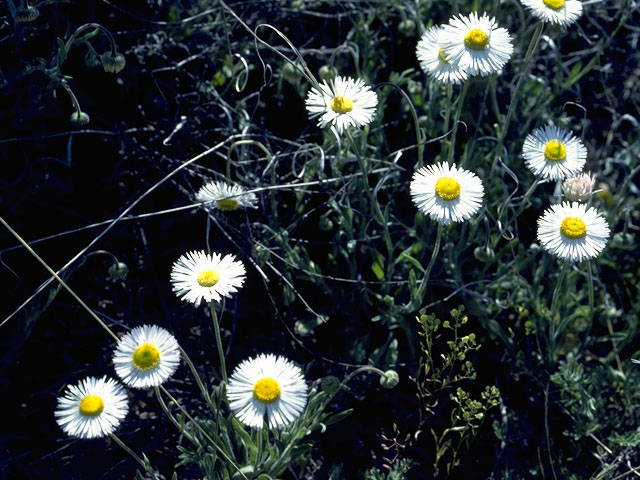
[226,197]
[573,231]
[94,408]
[446,193]
[341,103]
[553,153]
[198,275]
[147,356]
[476,44]
[562,12]
[267,385]
[433,60]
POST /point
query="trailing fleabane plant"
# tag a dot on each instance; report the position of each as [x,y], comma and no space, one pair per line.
[573,231]
[553,153]
[433,60]
[222,196]
[476,44]
[561,12]
[342,103]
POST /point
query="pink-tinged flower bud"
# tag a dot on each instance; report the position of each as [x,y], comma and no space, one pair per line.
[579,189]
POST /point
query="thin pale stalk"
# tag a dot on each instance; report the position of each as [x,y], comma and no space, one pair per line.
[216,331]
[147,468]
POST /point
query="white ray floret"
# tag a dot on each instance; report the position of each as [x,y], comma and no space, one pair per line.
[433,60]
[446,193]
[562,12]
[200,276]
[342,103]
[270,386]
[146,357]
[476,44]
[223,196]
[94,408]
[552,153]
[573,231]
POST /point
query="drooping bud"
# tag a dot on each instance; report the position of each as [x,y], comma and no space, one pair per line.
[291,73]
[28,14]
[112,63]
[327,73]
[390,379]
[118,271]
[579,189]
[78,119]
[407,27]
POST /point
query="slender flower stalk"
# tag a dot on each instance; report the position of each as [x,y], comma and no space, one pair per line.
[216,331]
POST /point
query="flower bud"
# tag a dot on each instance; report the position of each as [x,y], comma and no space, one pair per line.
[78,119]
[28,14]
[330,384]
[390,379]
[407,27]
[291,73]
[578,189]
[118,271]
[327,73]
[483,254]
[112,63]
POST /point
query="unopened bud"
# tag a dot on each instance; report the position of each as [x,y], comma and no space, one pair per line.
[327,73]
[78,119]
[112,63]
[483,254]
[390,379]
[578,189]
[28,14]
[330,384]
[118,271]
[291,73]
[407,27]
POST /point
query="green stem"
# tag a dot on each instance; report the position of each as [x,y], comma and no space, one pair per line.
[456,120]
[145,465]
[447,114]
[216,331]
[554,308]
[514,95]
[413,305]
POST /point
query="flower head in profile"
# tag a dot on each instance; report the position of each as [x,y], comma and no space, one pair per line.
[146,357]
[476,44]
[573,231]
[553,153]
[342,103]
[433,60]
[94,408]
[446,193]
[225,197]
[267,385]
[579,189]
[200,276]
[562,12]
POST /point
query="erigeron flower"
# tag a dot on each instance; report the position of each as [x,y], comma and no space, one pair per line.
[94,408]
[562,12]
[342,103]
[433,60]
[553,153]
[200,276]
[573,231]
[476,44]
[446,193]
[226,197]
[579,189]
[146,357]
[267,385]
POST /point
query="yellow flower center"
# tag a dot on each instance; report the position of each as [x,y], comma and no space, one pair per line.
[555,151]
[266,390]
[341,105]
[228,204]
[208,278]
[573,227]
[442,56]
[91,405]
[476,39]
[448,188]
[554,4]
[146,357]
